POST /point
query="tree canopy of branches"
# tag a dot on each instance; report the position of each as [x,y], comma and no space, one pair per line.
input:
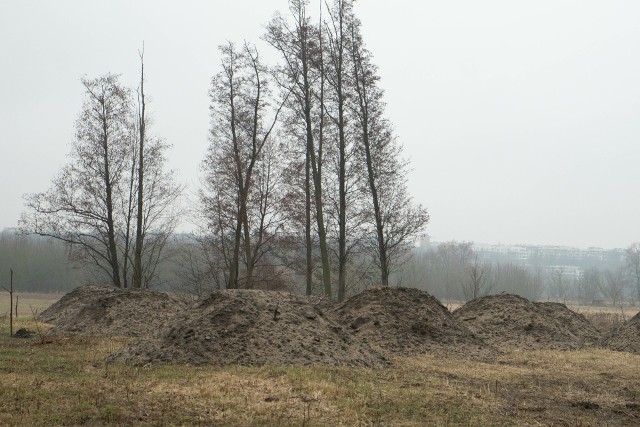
[354,181]
[92,202]
[301,73]
[240,199]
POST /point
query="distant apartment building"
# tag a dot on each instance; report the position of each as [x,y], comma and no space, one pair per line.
[512,253]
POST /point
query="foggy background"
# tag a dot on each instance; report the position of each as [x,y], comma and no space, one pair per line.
[521,120]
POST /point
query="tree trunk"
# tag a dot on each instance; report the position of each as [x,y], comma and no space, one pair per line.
[316,169]
[342,162]
[247,250]
[307,225]
[137,267]
[316,161]
[235,260]
[361,88]
[113,250]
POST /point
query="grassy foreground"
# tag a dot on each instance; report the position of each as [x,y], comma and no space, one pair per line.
[67,382]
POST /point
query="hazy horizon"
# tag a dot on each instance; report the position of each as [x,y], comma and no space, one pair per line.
[521,120]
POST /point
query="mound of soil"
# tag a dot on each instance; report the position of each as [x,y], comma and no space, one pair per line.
[624,337]
[252,327]
[406,321]
[512,322]
[94,311]
[576,323]
[71,303]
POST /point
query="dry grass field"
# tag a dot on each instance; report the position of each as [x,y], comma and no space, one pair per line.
[605,318]
[66,381]
[26,301]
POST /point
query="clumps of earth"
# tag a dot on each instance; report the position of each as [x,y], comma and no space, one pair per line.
[511,322]
[98,311]
[624,337]
[255,327]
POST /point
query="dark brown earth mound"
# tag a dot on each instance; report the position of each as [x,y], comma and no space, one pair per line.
[577,324]
[94,311]
[624,337]
[252,327]
[405,321]
[71,303]
[512,322]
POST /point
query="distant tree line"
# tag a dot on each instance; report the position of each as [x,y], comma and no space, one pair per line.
[453,271]
[449,271]
[39,264]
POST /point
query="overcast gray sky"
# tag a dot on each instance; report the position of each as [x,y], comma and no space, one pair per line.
[521,119]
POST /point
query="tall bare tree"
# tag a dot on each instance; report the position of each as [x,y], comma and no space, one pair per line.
[91,203]
[396,220]
[300,46]
[614,284]
[137,264]
[590,284]
[335,73]
[80,207]
[478,282]
[239,166]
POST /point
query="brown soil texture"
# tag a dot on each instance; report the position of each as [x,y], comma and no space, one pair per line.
[512,322]
[407,321]
[71,303]
[624,337]
[95,311]
[253,327]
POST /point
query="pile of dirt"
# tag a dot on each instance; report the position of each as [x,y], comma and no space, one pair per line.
[253,327]
[95,311]
[624,337]
[576,323]
[406,321]
[512,322]
[71,303]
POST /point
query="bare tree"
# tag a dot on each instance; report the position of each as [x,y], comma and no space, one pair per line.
[632,258]
[558,282]
[447,267]
[590,284]
[91,203]
[239,167]
[137,264]
[396,220]
[614,284]
[300,47]
[477,283]
[336,76]
[79,208]
[515,278]
[161,212]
